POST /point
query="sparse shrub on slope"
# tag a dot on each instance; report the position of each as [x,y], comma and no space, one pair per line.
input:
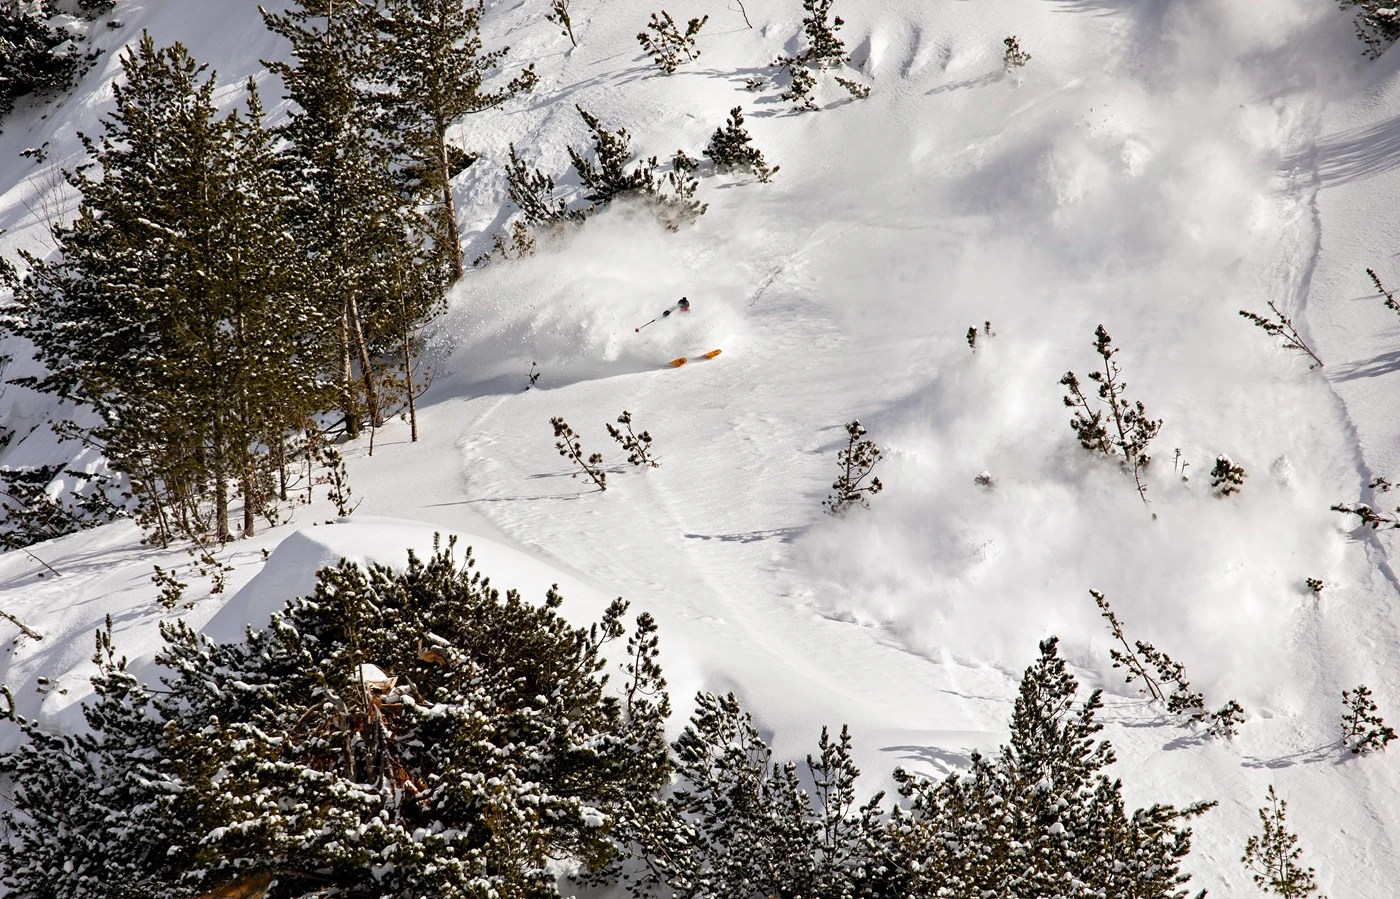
[398,734]
[1363,730]
[1272,857]
[731,148]
[1377,23]
[856,461]
[1164,680]
[1278,325]
[1126,431]
[1013,57]
[824,50]
[666,43]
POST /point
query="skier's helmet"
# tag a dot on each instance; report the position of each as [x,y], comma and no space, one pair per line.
[684,304]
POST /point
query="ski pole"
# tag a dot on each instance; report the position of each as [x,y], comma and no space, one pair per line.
[683,305]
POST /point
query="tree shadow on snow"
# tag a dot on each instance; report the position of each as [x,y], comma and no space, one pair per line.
[941,759]
[1301,757]
[1353,155]
[1376,366]
[786,535]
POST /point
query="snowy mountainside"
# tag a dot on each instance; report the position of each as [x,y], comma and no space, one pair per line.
[1156,167]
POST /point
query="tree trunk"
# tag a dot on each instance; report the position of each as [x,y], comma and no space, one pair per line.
[249,502]
[408,377]
[221,505]
[450,244]
[366,367]
[347,375]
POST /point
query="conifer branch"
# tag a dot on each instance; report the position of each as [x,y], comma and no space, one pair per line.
[1281,326]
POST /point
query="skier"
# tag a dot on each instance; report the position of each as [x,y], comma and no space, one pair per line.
[683,306]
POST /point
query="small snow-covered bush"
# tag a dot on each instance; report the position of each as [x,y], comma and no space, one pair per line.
[1362,728]
[637,446]
[1014,57]
[666,43]
[857,461]
[1132,430]
[1226,477]
[731,147]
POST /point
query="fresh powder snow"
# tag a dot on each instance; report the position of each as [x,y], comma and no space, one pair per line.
[1156,167]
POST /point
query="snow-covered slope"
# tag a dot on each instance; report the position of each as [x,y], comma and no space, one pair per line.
[1158,166]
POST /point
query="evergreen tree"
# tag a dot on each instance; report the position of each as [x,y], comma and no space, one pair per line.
[435,68]
[731,148]
[170,307]
[1040,819]
[1272,857]
[35,58]
[398,734]
[741,825]
[357,232]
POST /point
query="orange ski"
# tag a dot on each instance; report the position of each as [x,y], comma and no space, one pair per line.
[677,363]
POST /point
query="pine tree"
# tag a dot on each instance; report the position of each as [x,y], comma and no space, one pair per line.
[666,43]
[741,824]
[1040,818]
[857,461]
[1226,477]
[433,62]
[357,232]
[398,734]
[607,176]
[35,57]
[1363,730]
[1272,857]
[171,308]
[1133,431]
[731,148]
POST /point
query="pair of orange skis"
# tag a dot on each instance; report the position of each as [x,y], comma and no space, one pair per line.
[677,363]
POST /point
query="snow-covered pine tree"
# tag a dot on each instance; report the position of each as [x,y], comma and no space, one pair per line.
[398,734]
[356,229]
[1226,477]
[171,307]
[606,176]
[435,69]
[1041,818]
[731,148]
[35,57]
[741,824]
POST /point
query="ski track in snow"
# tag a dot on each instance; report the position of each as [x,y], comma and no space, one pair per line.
[1158,166]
